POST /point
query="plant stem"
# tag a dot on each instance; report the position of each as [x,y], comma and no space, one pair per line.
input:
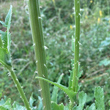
[71,105]
[77,35]
[37,35]
[17,84]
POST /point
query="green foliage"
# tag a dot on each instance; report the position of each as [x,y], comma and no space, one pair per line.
[6,104]
[55,90]
[5,36]
[92,107]
[70,93]
[104,44]
[99,98]
[82,99]
[40,106]
[58,39]
[5,57]
[105,62]
[56,106]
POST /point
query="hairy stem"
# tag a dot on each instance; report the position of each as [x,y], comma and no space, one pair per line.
[17,84]
[77,35]
[37,35]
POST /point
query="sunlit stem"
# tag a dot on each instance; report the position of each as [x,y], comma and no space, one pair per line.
[77,35]
[37,35]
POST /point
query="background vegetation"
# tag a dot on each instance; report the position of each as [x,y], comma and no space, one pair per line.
[58,26]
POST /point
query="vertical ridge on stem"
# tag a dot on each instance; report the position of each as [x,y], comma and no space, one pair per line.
[77,36]
[37,35]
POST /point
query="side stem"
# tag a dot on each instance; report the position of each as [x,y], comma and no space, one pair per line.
[77,36]
[37,35]
[17,84]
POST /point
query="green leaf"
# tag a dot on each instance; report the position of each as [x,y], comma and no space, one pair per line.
[92,107]
[66,107]
[104,62]
[3,23]
[2,108]
[6,105]
[55,90]
[109,102]
[56,106]
[82,100]
[8,18]
[31,100]
[40,106]
[4,39]
[70,93]
[99,98]
[5,36]
[8,22]
[16,106]
[71,76]
[5,57]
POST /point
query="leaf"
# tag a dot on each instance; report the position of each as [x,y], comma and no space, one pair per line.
[99,98]
[66,107]
[55,90]
[8,22]
[5,57]
[82,100]
[40,106]
[2,108]
[4,39]
[3,23]
[104,44]
[70,93]
[56,106]
[5,36]
[6,105]
[31,100]
[8,18]
[71,75]
[16,106]
[104,62]
[92,107]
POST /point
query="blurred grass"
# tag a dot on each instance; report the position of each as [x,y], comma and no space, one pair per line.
[58,27]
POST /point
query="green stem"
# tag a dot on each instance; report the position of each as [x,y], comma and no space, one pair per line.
[71,105]
[17,84]
[37,35]
[77,35]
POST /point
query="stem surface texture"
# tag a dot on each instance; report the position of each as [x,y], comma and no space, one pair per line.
[17,84]
[37,35]
[77,35]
